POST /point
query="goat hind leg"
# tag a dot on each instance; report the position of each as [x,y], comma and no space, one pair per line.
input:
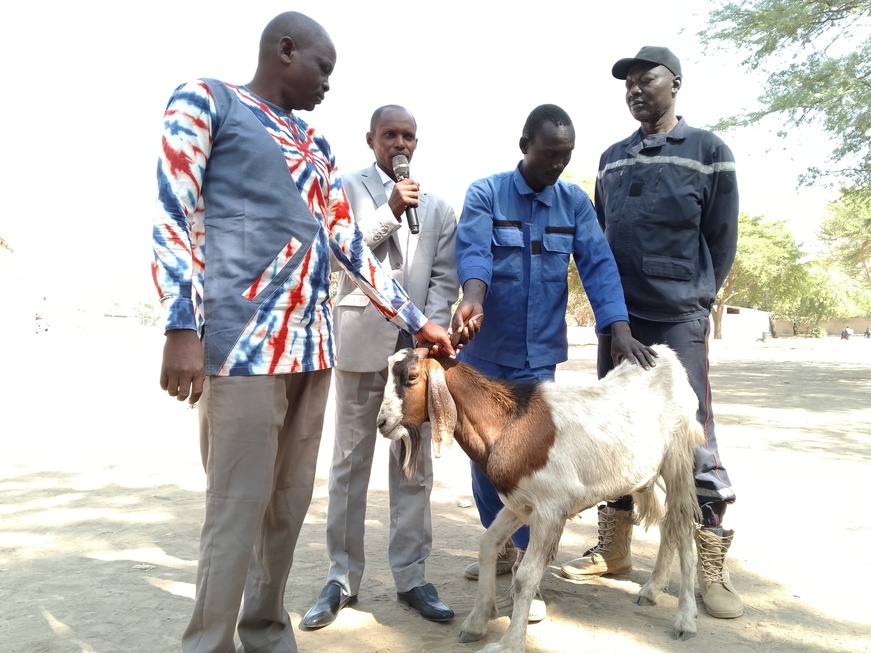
[685,624]
[484,608]
[676,534]
[650,591]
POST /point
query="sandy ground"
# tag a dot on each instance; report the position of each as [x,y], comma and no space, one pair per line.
[101,504]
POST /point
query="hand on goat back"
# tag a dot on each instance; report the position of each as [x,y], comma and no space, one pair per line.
[626,348]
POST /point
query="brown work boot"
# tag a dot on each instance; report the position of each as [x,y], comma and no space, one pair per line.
[720,598]
[504,562]
[612,554]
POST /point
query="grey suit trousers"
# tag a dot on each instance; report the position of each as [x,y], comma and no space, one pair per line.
[358,398]
[259,438]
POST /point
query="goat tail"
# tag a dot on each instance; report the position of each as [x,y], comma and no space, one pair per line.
[681,504]
[649,506]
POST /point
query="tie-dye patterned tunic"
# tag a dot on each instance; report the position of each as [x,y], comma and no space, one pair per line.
[250,206]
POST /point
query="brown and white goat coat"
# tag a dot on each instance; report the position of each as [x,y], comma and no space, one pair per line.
[555,449]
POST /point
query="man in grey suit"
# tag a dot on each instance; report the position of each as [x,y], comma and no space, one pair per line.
[424,264]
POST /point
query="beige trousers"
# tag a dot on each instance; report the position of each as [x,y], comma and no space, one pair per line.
[259,438]
[410,534]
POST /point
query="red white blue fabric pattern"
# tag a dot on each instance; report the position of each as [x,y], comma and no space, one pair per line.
[291,331]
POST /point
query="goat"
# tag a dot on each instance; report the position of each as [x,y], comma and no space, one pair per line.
[553,450]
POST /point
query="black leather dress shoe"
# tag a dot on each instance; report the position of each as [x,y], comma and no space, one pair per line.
[425,599]
[324,612]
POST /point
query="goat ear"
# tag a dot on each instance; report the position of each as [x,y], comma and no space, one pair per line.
[442,409]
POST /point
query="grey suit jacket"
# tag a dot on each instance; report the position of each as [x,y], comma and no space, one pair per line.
[364,338]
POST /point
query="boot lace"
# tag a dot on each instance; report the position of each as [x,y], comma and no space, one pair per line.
[607,526]
[507,552]
[712,553]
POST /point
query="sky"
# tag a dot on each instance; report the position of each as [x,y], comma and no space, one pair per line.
[87,83]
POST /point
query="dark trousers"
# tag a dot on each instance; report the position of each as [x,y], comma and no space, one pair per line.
[690,341]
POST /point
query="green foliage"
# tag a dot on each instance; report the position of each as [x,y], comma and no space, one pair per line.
[823,295]
[846,234]
[818,57]
[862,303]
[770,273]
[578,310]
[767,272]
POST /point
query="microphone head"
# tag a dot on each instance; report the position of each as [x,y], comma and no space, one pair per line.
[400,167]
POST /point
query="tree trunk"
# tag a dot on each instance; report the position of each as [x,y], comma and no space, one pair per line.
[717,314]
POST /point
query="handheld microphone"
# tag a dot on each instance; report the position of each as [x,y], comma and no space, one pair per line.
[401,171]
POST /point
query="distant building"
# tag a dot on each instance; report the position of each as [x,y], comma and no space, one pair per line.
[741,323]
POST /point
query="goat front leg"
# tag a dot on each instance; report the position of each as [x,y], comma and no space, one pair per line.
[484,608]
[543,544]
[650,591]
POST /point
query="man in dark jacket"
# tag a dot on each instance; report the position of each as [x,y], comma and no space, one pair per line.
[667,200]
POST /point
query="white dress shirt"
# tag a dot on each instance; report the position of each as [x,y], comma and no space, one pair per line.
[407,240]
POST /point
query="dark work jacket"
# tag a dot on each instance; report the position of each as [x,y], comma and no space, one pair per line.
[668,204]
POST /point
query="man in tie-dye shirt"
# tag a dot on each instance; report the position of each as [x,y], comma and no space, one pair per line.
[250,208]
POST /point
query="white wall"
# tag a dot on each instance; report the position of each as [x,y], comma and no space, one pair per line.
[745,324]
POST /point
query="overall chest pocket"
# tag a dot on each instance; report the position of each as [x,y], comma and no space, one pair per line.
[666,267]
[507,250]
[557,246]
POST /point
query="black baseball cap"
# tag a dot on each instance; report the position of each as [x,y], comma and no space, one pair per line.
[649,54]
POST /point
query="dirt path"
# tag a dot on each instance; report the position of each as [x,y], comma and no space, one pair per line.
[101,505]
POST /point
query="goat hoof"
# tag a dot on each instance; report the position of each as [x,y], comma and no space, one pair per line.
[643,599]
[466,637]
[684,635]
[685,627]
